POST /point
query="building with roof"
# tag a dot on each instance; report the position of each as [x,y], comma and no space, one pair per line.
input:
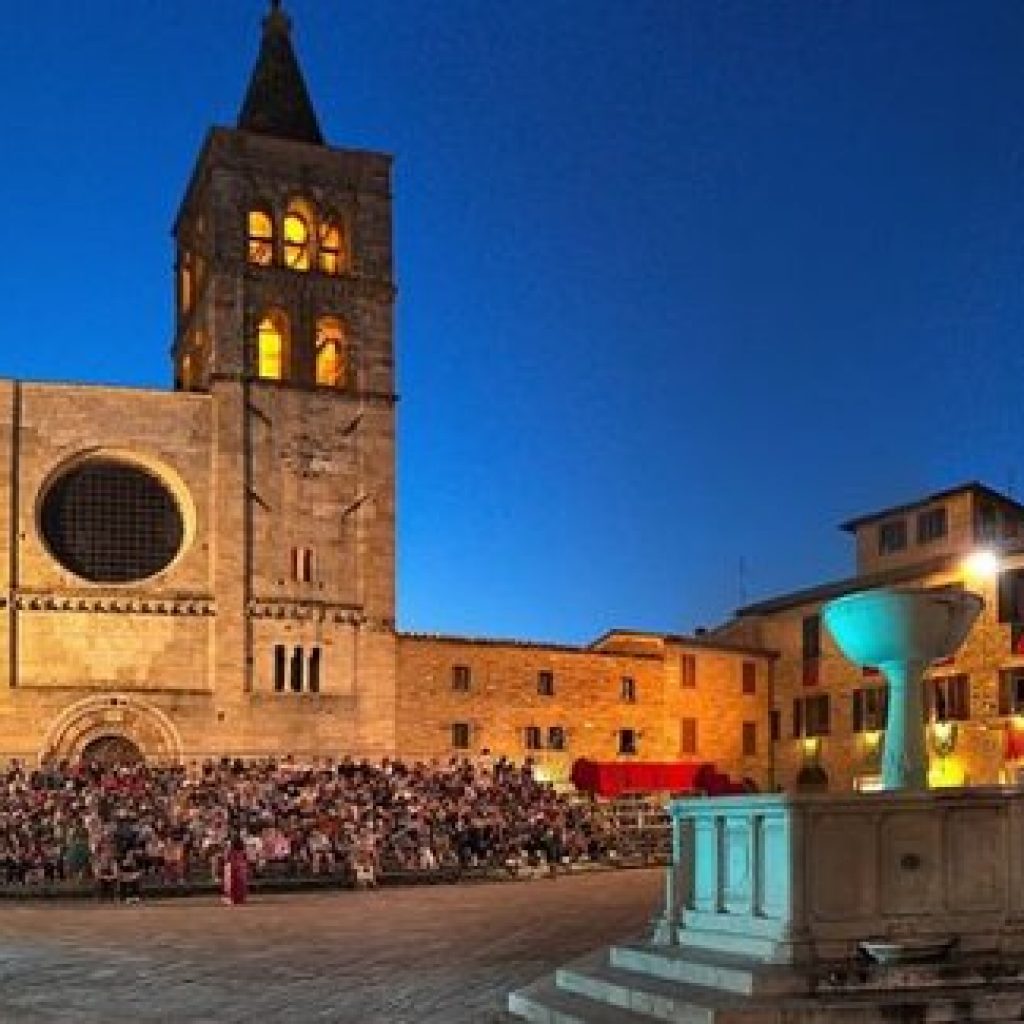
[828,716]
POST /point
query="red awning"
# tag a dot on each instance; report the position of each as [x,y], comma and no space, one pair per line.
[611,778]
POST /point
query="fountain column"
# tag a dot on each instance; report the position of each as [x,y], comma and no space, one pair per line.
[904,755]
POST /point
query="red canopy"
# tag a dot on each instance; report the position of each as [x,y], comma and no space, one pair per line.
[610,778]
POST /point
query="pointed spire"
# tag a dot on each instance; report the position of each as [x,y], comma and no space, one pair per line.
[277,101]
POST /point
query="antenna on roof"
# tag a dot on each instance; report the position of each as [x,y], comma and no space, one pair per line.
[742,580]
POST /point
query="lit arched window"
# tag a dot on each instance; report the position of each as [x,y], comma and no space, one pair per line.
[330,353]
[296,242]
[272,355]
[186,373]
[331,255]
[261,238]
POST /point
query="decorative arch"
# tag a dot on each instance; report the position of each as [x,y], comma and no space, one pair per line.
[112,715]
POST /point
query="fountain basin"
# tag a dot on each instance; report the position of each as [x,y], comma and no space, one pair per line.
[880,627]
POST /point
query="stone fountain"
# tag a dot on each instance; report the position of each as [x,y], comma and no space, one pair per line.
[902,632]
[903,904]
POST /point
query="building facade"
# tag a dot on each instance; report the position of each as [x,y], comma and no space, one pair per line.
[828,716]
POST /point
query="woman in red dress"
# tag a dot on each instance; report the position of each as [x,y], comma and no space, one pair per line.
[236,873]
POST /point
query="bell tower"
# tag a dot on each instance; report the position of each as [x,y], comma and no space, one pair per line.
[284,319]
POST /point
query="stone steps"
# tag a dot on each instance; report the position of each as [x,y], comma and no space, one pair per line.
[718,971]
[656,999]
[630,984]
[544,1003]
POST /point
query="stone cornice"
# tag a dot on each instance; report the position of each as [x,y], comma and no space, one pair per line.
[193,605]
[305,611]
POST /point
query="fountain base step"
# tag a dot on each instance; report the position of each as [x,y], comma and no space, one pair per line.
[639,984]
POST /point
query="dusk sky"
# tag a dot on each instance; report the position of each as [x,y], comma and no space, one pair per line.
[682,285]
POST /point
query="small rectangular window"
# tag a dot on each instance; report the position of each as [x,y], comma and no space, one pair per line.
[811,716]
[533,737]
[462,678]
[688,736]
[280,657]
[460,735]
[870,708]
[627,741]
[1011,595]
[556,737]
[811,638]
[546,683]
[314,670]
[750,677]
[986,520]
[688,671]
[749,739]
[948,699]
[296,670]
[775,724]
[307,565]
[1011,691]
[892,537]
[627,689]
[931,525]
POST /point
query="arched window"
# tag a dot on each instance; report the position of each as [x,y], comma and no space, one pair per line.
[296,241]
[187,379]
[272,354]
[331,256]
[331,370]
[261,238]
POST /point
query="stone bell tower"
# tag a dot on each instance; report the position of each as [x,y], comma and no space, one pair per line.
[284,313]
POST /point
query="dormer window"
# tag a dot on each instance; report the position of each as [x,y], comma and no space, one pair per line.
[931,525]
[261,238]
[892,536]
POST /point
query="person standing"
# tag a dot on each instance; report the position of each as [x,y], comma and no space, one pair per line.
[236,873]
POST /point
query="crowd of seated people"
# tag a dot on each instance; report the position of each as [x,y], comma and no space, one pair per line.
[113,826]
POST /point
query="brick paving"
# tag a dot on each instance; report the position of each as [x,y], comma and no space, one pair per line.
[444,954]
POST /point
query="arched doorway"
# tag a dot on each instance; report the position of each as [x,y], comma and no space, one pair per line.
[111,750]
[108,720]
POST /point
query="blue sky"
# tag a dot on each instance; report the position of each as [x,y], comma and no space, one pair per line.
[682,284]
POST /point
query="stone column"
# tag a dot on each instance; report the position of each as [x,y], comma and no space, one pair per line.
[905,757]
[668,921]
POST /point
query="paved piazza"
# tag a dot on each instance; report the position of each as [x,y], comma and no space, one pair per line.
[445,953]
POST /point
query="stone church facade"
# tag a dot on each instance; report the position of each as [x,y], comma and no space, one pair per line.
[212,569]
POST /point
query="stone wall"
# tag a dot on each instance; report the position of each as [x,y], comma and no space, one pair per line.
[502,701]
